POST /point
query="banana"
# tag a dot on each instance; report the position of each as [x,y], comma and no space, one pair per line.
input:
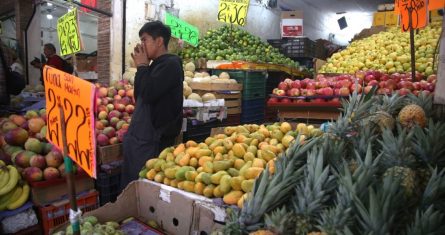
[4,177]
[6,197]
[14,177]
[21,199]
[16,193]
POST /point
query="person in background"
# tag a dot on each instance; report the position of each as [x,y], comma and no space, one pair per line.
[52,59]
[16,65]
[157,118]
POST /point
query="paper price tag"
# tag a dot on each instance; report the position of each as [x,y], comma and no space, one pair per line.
[68,33]
[181,29]
[233,11]
[419,12]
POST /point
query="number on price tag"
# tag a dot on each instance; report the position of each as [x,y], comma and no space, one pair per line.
[419,11]
[68,33]
[233,11]
[76,97]
[182,30]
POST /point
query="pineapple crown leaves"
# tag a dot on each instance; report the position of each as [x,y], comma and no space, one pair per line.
[428,222]
[397,150]
[434,193]
[390,104]
[232,226]
[378,215]
[335,219]
[313,192]
[423,100]
[429,143]
[334,151]
[360,142]
[280,221]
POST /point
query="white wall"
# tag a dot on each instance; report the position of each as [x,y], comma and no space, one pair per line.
[116,41]
[261,22]
[8,33]
[33,45]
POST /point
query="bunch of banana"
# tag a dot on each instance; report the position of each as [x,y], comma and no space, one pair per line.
[12,193]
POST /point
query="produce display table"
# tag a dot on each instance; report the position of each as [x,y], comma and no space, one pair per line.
[307,110]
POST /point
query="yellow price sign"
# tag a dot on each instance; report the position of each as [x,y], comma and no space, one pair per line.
[233,11]
[68,32]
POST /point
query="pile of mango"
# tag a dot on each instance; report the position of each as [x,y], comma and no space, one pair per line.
[225,165]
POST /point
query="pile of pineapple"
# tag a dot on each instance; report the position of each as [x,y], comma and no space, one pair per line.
[225,165]
[378,170]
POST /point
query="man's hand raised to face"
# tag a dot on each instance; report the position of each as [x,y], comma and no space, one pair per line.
[140,56]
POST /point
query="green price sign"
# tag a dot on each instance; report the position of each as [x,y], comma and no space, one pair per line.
[233,11]
[182,30]
[68,33]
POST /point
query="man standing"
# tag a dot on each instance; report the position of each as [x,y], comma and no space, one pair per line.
[157,118]
[52,59]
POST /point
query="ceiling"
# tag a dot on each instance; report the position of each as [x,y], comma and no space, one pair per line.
[333,6]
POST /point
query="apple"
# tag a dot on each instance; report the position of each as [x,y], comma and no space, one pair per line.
[431,78]
[296,84]
[404,91]
[294,92]
[288,81]
[310,92]
[344,91]
[367,89]
[328,91]
[282,86]
[272,100]
[274,91]
[369,78]
[373,83]
[357,88]
[286,101]
[280,92]
[310,85]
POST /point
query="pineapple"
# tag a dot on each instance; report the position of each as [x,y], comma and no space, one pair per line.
[280,221]
[412,115]
[382,114]
[428,222]
[397,158]
[423,100]
[262,232]
[429,144]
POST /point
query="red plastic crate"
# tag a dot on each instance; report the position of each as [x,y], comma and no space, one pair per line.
[53,216]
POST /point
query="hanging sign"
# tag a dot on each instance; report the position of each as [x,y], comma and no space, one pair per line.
[76,97]
[68,33]
[182,30]
[233,11]
[418,9]
[436,4]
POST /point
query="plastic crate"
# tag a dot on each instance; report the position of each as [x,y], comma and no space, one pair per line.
[298,47]
[108,186]
[253,106]
[232,120]
[53,216]
[257,118]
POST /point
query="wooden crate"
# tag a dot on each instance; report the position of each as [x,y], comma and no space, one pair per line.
[231,100]
[216,86]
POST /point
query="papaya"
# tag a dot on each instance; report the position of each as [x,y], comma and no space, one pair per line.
[206,178]
[170,157]
[239,163]
[208,167]
[238,150]
[178,157]
[232,197]
[151,174]
[257,162]
[192,151]
[233,172]
[220,136]
[215,144]
[254,142]
[219,149]
[193,162]
[167,165]
[200,169]
[203,160]
[217,191]
[180,185]
[191,175]
[241,129]
[240,138]
[189,186]
[179,149]
[143,172]
[247,141]
[243,169]
[174,183]
[209,140]
[247,185]
[150,163]
[159,177]
[158,164]
[235,182]
[218,157]
[266,155]
[171,172]
[163,154]
[180,173]
[185,160]
[248,157]
[221,165]
[280,148]
[208,190]
[224,184]
[203,152]
[216,178]
[252,172]
[228,144]
[287,140]
[199,188]
[203,146]
[166,181]
[191,143]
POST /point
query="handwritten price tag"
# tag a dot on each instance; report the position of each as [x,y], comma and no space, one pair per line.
[68,33]
[418,9]
[181,29]
[233,11]
[75,96]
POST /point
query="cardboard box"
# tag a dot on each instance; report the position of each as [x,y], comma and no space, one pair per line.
[291,24]
[391,18]
[110,153]
[379,19]
[46,192]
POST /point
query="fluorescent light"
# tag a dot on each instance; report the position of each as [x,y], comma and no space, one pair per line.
[49,4]
[49,16]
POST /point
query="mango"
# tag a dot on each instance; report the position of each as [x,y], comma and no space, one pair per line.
[243,169]
[220,136]
[158,164]
[252,172]
[208,190]
[238,150]
[229,130]
[228,144]
[247,141]
[203,146]
[200,169]
[206,178]
[189,186]
[150,163]
[143,172]
[218,157]
[185,160]
[209,140]
[151,174]
[180,173]
[241,129]
[248,157]
[208,167]
[163,154]
[191,143]
[219,149]
[181,185]
[271,165]
[192,151]
[178,157]
[240,138]
[167,165]
[191,175]
[215,144]
[266,155]
[254,142]
[203,152]
[204,159]
[233,172]
[239,163]
[232,197]
[217,191]
[166,181]
[171,172]
[179,149]
[235,182]
[221,165]
[193,162]
[224,184]
[174,183]
[216,178]
[170,157]
[257,162]
[247,185]
[199,188]
[159,177]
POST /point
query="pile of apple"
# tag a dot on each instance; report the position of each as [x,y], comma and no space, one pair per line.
[331,88]
[114,106]
[23,144]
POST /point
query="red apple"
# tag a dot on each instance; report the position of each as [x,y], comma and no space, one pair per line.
[328,91]
[310,85]
[310,92]
[404,91]
[286,101]
[431,78]
[296,84]
[272,100]
[344,91]
[357,88]
[294,92]
[373,83]
[281,93]
[282,86]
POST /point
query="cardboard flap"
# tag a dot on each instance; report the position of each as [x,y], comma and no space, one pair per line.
[292,15]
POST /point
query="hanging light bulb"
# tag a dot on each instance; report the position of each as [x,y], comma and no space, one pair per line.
[49,16]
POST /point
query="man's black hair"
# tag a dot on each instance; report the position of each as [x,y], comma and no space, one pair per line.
[157,29]
[50,46]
